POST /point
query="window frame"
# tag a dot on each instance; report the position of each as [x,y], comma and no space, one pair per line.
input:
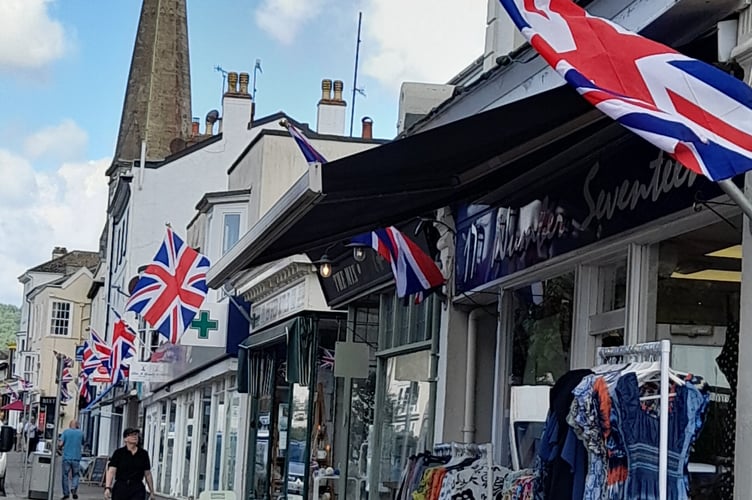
[52,318]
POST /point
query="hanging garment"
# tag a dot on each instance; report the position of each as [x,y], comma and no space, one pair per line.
[562,458]
[640,430]
[728,362]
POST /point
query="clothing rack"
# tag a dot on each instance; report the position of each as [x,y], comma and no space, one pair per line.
[455,449]
[649,352]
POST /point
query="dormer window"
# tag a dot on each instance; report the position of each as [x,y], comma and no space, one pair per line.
[230,231]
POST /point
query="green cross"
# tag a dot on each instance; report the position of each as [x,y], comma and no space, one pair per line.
[204,324]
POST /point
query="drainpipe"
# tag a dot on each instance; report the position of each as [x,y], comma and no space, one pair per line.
[468,427]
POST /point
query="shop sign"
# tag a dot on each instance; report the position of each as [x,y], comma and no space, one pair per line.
[208,328]
[149,372]
[280,306]
[351,278]
[622,189]
[101,375]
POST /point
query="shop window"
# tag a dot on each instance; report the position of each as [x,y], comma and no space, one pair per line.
[190,404]
[162,444]
[542,330]
[170,452]
[406,417]
[697,308]
[407,322]
[203,455]
[231,445]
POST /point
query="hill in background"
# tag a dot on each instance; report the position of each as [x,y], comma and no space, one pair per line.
[10,319]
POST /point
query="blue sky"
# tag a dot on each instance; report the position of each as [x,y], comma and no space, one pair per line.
[64,66]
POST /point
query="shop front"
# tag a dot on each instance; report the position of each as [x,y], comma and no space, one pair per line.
[618,245]
[286,368]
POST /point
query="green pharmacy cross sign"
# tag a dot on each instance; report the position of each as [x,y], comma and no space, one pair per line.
[204,324]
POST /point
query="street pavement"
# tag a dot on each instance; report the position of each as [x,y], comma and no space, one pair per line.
[17,481]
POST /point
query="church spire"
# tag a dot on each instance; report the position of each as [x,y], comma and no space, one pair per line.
[157,107]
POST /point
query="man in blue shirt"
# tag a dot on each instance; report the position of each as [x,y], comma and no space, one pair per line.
[72,443]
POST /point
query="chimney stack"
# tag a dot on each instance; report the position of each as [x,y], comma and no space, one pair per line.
[367,128]
[58,252]
[330,119]
[237,110]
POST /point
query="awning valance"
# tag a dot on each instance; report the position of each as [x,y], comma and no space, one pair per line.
[410,176]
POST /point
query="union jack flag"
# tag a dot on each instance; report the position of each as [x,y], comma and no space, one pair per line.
[414,271]
[123,348]
[693,111]
[172,288]
[310,153]
[65,377]
[327,359]
[84,391]
[25,384]
[96,353]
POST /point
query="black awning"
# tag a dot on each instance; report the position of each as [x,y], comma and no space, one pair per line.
[410,176]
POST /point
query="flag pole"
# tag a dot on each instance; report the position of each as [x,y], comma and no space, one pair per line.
[737,196]
[60,365]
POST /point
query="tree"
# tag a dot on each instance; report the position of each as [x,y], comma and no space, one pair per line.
[10,319]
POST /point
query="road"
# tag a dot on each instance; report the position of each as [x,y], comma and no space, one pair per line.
[16,482]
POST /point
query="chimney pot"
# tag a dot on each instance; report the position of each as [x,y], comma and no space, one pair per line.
[367,128]
[338,87]
[211,118]
[232,82]
[194,127]
[59,252]
[244,83]
[326,90]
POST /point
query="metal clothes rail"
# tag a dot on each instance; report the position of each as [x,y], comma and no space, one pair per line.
[651,351]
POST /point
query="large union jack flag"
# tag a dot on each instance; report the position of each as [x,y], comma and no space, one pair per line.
[123,348]
[172,288]
[693,111]
[415,273]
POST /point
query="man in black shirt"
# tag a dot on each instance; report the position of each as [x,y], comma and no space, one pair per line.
[128,467]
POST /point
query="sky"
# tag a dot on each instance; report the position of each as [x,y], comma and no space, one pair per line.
[64,66]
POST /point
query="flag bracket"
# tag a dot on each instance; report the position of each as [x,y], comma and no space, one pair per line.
[738,197]
[701,203]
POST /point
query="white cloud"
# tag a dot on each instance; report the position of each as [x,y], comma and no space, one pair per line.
[421,40]
[29,38]
[41,210]
[281,19]
[66,141]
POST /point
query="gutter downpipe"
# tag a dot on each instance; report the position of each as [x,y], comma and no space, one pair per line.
[468,426]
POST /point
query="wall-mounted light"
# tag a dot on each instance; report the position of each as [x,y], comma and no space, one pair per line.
[359,254]
[325,266]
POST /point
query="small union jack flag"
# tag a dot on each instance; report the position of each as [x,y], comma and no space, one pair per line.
[414,271]
[65,377]
[327,359]
[172,288]
[310,153]
[695,112]
[84,391]
[123,348]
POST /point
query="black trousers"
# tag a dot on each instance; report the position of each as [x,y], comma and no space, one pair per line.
[129,490]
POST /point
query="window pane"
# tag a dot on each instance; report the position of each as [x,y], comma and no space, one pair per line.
[60,318]
[231,232]
[542,330]
[406,414]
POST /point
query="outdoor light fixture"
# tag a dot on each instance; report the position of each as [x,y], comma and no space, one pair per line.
[359,254]
[325,266]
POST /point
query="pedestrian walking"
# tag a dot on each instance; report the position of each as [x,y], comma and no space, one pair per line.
[72,443]
[20,434]
[32,437]
[128,467]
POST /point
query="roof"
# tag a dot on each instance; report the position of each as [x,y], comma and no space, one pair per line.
[304,128]
[69,263]
[410,176]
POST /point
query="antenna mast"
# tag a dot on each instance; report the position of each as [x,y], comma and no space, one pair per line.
[355,77]
[256,69]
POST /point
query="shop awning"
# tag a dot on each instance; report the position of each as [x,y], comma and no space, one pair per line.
[16,405]
[395,182]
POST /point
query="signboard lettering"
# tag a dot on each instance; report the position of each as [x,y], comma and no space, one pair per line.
[624,187]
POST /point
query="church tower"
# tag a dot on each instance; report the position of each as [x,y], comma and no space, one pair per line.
[157,107]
